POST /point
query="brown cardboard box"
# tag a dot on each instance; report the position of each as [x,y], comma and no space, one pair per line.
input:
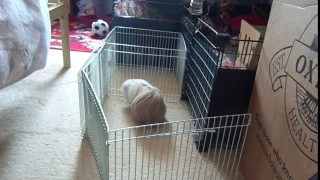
[282,142]
[249,50]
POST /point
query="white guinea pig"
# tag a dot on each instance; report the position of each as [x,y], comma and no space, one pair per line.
[146,101]
[131,87]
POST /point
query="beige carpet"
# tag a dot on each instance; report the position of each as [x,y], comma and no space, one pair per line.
[39,126]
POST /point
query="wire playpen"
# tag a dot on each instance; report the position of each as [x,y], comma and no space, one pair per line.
[205,129]
[125,150]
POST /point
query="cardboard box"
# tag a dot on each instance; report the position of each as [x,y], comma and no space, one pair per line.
[282,141]
[249,48]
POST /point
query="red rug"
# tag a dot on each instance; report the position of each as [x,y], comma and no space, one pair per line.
[81,39]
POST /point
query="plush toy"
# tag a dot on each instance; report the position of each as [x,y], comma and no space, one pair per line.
[82,7]
[100,28]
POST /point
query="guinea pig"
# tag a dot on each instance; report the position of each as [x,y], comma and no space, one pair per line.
[147,104]
[130,88]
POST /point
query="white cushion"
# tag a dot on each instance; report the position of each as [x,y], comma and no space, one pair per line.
[25,32]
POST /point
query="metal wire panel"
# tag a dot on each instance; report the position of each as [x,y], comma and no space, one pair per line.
[167,150]
[209,52]
[201,69]
[93,82]
[96,127]
[83,97]
[156,56]
[180,69]
[203,61]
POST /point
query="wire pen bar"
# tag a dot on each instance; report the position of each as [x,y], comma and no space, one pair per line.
[200,21]
[203,75]
[171,36]
[129,45]
[143,31]
[146,54]
[182,121]
[202,87]
[201,101]
[204,130]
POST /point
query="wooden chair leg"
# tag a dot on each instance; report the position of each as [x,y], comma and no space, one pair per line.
[64,23]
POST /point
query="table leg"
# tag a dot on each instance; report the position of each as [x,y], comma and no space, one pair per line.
[64,22]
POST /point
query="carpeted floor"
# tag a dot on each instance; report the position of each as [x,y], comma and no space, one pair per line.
[39,126]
